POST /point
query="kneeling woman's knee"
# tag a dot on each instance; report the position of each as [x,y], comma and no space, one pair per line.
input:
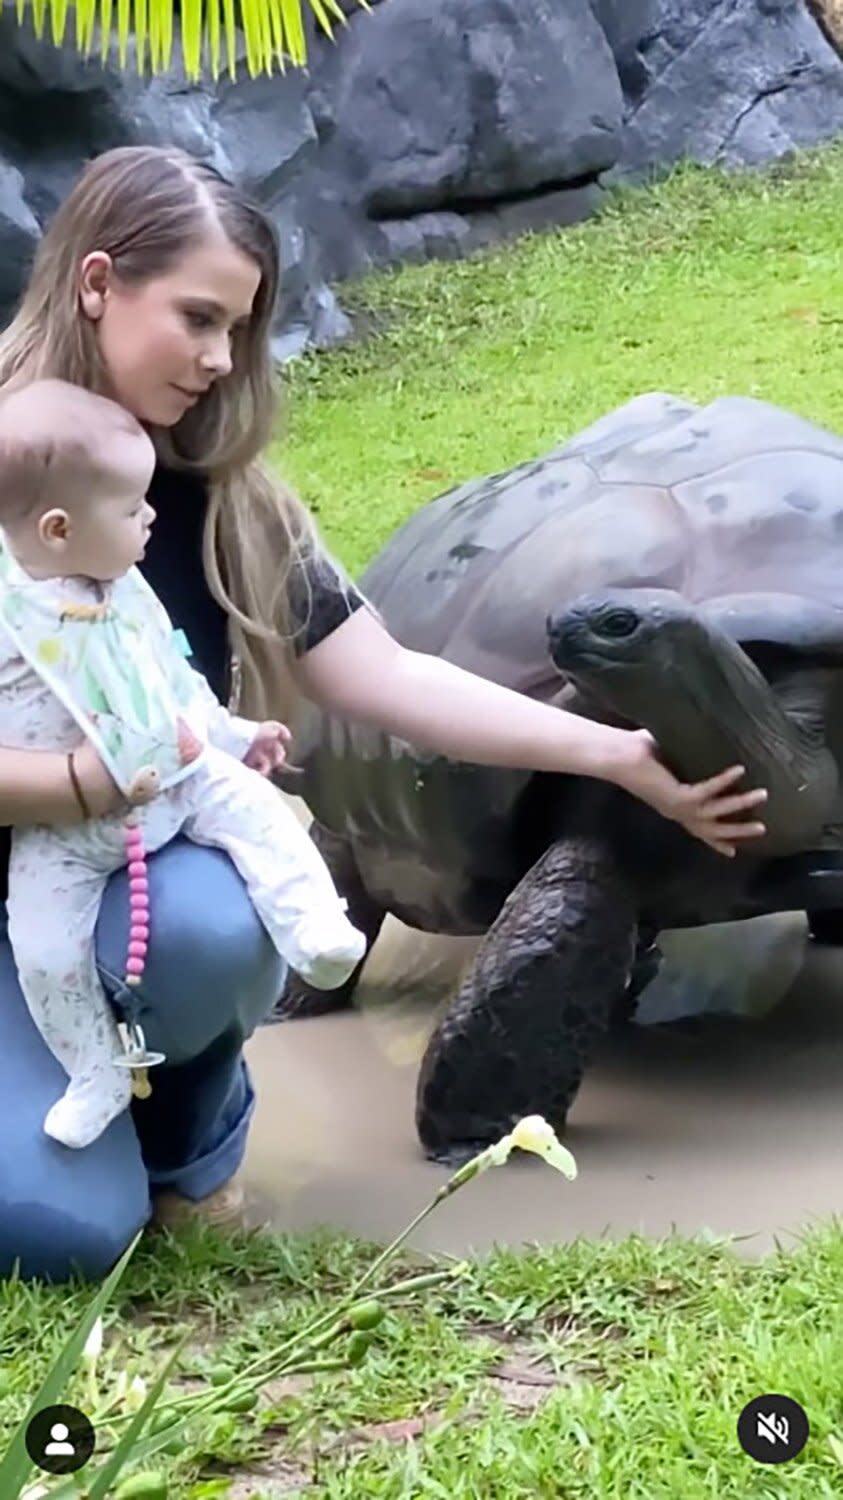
[210,967]
[45,1242]
[65,1212]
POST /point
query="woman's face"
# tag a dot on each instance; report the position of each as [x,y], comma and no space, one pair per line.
[165,341]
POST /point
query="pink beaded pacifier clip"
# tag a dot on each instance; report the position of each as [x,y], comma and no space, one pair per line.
[131,1033]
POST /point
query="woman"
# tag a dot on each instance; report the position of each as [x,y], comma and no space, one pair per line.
[155,284]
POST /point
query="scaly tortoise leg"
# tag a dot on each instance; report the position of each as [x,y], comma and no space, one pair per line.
[537,999]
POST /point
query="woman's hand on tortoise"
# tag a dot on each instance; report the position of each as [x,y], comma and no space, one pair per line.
[708,810]
[268,750]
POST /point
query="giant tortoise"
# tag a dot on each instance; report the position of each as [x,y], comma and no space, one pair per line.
[673,567]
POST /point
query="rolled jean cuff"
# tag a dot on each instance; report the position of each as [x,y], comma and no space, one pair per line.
[216,1167]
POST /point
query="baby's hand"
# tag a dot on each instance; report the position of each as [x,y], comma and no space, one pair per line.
[268,750]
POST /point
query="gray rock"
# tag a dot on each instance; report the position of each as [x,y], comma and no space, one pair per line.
[627,26]
[733,82]
[19,234]
[429,127]
[258,132]
[527,107]
[536,105]
[526,95]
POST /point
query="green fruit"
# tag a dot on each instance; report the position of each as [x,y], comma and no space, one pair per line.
[245,1401]
[220,1375]
[161,1421]
[149,1486]
[358,1346]
[366,1315]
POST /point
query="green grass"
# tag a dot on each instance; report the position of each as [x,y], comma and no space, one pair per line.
[644,1353]
[621,1370]
[705,285]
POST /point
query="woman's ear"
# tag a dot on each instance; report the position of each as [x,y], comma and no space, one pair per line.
[94,280]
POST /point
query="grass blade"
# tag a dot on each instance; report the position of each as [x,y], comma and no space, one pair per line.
[116,1461]
[16,1465]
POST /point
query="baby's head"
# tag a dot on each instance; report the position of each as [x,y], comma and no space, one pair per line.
[74,472]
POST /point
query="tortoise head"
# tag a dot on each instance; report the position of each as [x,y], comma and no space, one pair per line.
[654,659]
[629,646]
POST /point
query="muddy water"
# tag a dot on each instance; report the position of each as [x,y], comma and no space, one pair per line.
[731,1125]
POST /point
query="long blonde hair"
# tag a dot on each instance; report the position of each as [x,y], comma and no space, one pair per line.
[145,206]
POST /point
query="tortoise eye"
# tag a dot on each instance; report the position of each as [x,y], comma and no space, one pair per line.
[619,622]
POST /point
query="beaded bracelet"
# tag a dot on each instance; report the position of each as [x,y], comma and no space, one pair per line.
[138,929]
[77,788]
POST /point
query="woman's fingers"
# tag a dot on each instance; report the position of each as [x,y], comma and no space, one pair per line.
[741,802]
[721,838]
[727,807]
[710,793]
[714,785]
[739,830]
[713,816]
[709,810]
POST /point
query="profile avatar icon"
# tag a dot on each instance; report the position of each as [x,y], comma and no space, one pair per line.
[59,1444]
[60,1440]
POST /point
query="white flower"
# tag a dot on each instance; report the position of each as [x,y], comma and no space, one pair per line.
[136,1394]
[93,1344]
[532,1133]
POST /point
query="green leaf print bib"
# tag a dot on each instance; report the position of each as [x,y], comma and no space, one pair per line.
[115,663]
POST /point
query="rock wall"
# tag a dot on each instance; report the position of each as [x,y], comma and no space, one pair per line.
[57,110]
[735,82]
[431,127]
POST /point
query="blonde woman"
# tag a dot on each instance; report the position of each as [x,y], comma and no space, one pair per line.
[155,285]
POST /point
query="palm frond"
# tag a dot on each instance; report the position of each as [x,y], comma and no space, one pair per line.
[273,31]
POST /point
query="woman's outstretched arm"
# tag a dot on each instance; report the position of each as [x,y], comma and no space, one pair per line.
[359,671]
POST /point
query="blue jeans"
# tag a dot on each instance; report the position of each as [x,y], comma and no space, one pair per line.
[211,976]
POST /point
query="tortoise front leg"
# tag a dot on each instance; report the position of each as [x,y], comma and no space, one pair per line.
[539,995]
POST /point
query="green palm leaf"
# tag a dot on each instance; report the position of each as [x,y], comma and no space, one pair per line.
[273,31]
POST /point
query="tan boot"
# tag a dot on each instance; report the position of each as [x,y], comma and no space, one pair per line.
[223,1209]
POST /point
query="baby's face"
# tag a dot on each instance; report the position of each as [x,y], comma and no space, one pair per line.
[108,531]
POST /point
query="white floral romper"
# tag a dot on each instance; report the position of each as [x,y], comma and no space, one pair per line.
[76,659]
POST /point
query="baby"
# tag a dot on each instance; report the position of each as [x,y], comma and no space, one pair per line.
[87,650]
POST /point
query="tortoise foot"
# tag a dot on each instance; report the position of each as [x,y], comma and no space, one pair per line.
[456,1154]
[301,1002]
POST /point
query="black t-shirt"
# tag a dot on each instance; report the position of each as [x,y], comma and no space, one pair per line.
[173,568]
